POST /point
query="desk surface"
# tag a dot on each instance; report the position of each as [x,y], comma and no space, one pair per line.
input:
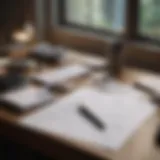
[139,147]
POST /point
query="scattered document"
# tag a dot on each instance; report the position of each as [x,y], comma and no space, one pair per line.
[26,98]
[86,59]
[61,75]
[122,115]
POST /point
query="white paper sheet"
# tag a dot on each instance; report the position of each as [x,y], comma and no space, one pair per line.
[27,97]
[113,86]
[123,115]
[61,75]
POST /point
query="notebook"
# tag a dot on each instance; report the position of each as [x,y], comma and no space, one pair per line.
[61,75]
[122,116]
[26,98]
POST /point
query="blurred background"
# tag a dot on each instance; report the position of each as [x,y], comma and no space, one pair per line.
[45,35]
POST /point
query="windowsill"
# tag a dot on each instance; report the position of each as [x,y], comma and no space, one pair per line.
[85,33]
[93,42]
[108,38]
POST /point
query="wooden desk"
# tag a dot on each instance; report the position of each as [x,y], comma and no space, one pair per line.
[139,147]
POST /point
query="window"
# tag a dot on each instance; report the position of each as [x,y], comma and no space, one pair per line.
[96,14]
[137,19]
[149,19]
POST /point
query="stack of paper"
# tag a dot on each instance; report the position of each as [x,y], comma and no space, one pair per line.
[26,98]
[61,75]
[122,116]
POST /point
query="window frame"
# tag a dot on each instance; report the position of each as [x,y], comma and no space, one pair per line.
[131,23]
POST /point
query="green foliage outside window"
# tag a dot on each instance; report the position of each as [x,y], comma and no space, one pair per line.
[149,19]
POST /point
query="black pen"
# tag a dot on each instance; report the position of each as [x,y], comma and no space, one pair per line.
[153,94]
[145,89]
[91,117]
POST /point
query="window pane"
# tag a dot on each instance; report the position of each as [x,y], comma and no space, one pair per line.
[150,18]
[101,14]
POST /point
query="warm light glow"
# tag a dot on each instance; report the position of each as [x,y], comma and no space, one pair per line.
[25,35]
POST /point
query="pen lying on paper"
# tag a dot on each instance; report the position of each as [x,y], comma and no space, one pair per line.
[91,117]
[153,94]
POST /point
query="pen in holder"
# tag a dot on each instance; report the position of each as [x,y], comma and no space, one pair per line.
[116,59]
[114,64]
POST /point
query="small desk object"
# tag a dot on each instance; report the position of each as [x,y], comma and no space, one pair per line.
[47,53]
[150,85]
